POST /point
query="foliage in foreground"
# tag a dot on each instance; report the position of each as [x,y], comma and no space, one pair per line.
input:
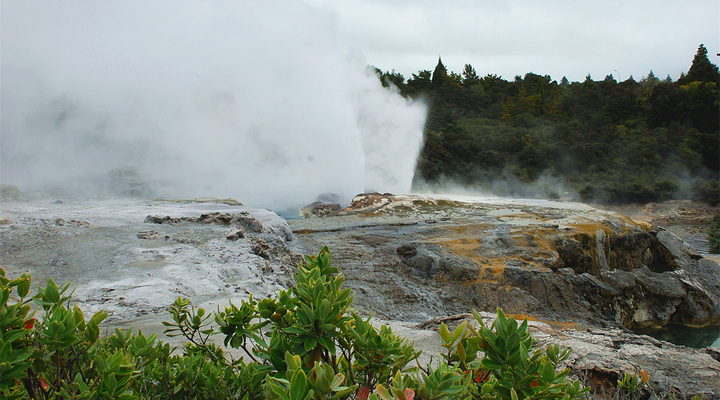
[305,343]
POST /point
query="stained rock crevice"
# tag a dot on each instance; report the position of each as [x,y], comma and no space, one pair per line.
[559,261]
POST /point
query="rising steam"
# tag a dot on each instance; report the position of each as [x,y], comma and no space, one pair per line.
[246,99]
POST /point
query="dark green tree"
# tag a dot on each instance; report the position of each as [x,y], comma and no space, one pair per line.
[439,75]
[664,104]
[419,83]
[470,76]
[702,69]
[390,78]
[608,140]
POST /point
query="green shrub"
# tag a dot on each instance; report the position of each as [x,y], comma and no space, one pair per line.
[713,235]
[305,343]
[707,192]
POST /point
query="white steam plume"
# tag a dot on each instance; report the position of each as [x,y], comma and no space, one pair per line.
[253,100]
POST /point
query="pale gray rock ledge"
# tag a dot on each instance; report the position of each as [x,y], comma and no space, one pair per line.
[601,356]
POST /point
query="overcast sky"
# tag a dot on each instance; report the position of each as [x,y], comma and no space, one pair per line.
[554,37]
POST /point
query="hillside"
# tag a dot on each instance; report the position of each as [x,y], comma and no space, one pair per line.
[609,141]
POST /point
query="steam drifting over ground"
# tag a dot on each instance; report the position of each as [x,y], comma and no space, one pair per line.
[240,99]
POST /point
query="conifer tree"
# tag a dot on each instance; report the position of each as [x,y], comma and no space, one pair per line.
[470,76]
[702,70]
[439,75]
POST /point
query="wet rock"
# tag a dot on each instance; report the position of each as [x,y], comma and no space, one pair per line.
[151,235]
[601,250]
[259,221]
[248,222]
[320,209]
[660,284]
[261,248]
[370,202]
[676,247]
[236,235]
[228,201]
[428,262]
[157,219]
[420,263]
[558,262]
[215,218]
[572,252]
[458,270]
[326,205]
[619,279]
[69,223]
[407,251]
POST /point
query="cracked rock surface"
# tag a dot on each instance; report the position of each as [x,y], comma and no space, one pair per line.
[134,258]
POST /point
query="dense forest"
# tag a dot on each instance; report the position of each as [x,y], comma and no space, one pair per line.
[600,141]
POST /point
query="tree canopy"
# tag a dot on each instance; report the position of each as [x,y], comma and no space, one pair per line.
[602,140]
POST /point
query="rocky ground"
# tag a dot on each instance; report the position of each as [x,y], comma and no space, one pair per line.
[583,274]
[687,219]
[411,258]
[134,258]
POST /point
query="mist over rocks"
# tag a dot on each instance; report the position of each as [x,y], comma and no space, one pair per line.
[186,99]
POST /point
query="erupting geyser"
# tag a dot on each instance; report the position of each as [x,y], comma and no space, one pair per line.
[252,100]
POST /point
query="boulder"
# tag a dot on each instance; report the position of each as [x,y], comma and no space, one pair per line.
[320,209]
[151,235]
[236,234]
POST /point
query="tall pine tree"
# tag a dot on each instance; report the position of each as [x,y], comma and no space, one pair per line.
[439,75]
[702,70]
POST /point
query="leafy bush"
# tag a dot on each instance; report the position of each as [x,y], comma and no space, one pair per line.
[305,343]
[714,235]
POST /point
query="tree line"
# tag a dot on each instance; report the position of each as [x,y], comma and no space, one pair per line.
[603,140]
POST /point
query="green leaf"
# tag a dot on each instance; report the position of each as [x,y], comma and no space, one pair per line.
[383,393]
[298,385]
[487,388]
[461,352]
[343,392]
[552,353]
[444,333]
[293,361]
[459,331]
[294,330]
[310,343]
[306,314]
[51,295]
[338,379]
[24,286]
[513,342]
[548,372]
[328,344]
[490,365]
